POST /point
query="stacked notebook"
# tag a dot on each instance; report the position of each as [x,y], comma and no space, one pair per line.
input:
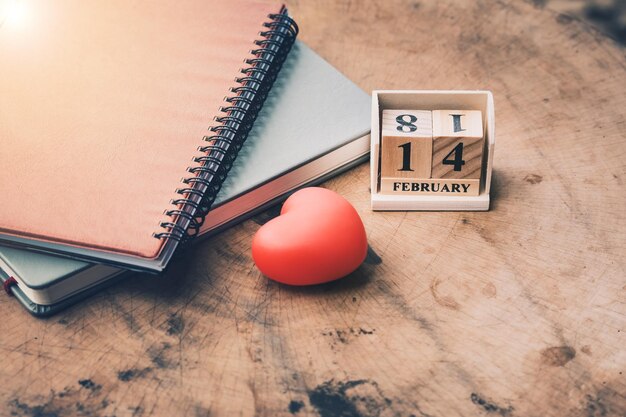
[108,164]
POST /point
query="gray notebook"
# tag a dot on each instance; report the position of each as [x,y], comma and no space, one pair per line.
[314,124]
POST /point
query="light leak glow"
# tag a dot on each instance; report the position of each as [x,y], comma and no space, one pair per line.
[13,13]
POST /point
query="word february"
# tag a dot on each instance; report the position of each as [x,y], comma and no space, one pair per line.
[427,187]
[468,187]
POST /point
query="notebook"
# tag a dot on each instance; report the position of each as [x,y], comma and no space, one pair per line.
[116,135]
[314,124]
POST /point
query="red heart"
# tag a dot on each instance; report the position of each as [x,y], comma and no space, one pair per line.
[318,237]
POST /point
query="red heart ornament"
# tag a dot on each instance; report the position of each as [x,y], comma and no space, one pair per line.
[318,237]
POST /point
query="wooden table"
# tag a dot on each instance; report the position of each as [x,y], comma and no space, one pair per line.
[519,311]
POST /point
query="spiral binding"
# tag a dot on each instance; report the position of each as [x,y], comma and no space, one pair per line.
[216,158]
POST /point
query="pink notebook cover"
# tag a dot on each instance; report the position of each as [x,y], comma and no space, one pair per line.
[103,105]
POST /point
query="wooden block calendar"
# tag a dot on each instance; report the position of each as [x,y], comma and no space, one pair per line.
[431,150]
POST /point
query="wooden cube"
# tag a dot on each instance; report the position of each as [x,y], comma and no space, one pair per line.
[406,144]
[458,143]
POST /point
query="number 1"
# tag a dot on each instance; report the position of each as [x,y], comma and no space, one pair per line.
[406,157]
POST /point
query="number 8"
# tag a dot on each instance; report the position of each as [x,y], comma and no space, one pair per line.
[408,124]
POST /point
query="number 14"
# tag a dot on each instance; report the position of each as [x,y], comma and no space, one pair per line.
[458,161]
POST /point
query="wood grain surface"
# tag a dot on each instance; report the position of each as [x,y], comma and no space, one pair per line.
[519,311]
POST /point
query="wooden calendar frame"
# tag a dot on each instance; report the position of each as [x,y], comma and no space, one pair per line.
[432,100]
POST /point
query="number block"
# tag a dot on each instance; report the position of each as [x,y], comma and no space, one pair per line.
[458,143]
[406,144]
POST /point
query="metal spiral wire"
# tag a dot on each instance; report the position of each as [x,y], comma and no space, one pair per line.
[217,157]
